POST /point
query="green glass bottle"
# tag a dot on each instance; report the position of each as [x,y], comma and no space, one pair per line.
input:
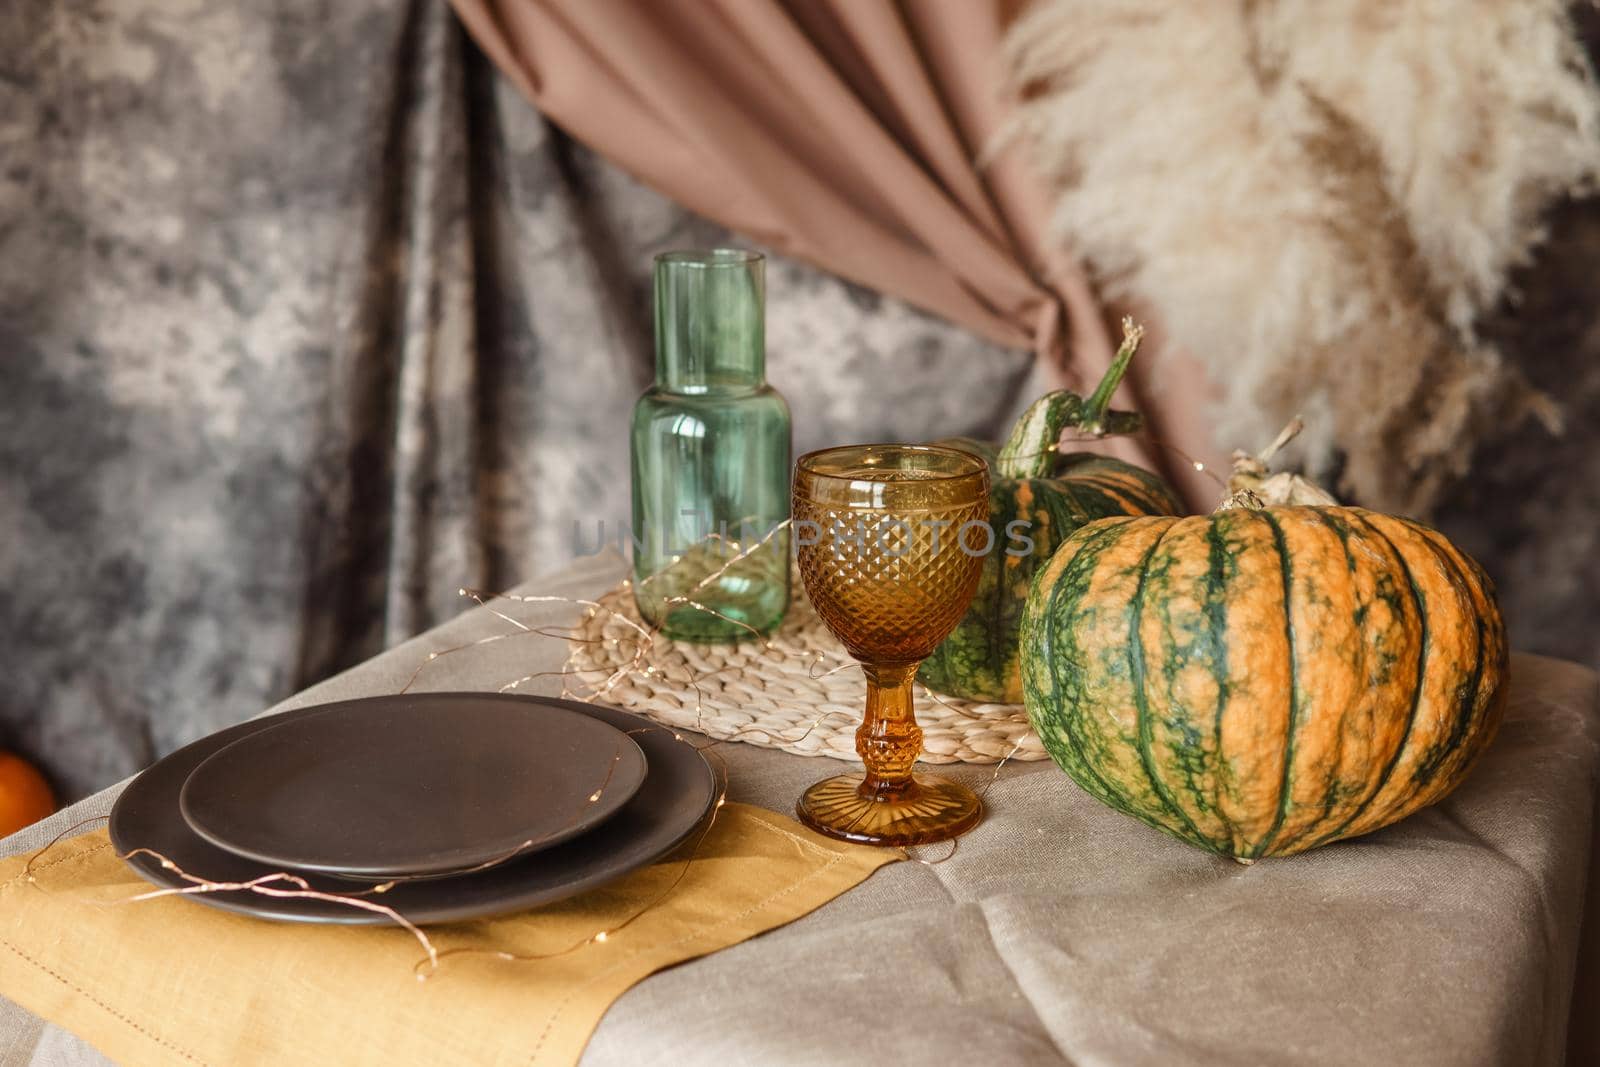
[711,444]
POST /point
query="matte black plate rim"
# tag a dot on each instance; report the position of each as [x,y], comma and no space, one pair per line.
[510,901]
[621,791]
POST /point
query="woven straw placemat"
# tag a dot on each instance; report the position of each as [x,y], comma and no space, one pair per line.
[798,690]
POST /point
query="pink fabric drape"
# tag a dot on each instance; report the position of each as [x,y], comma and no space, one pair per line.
[846,134]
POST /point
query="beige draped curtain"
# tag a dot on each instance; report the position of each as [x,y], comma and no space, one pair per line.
[847,134]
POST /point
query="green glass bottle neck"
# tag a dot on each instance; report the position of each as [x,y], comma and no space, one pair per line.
[710,312]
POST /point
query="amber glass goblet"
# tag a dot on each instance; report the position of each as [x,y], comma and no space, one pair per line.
[891,540]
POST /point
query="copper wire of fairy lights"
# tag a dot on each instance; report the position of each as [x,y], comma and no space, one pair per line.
[278,884]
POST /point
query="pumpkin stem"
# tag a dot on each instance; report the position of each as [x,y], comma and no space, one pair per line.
[1241,498]
[1099,402]
[1252,485]
[1035,442]
[1285,435]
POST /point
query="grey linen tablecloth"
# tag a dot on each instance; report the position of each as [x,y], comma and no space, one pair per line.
[1061,931]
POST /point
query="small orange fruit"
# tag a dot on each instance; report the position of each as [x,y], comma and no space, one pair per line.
[25,796]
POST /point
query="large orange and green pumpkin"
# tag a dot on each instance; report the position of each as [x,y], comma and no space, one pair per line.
[1050,494]
[1264,680]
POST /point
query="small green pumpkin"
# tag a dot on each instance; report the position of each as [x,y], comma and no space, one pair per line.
[1051,494]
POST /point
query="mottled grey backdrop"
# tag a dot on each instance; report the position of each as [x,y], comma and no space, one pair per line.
[306,319]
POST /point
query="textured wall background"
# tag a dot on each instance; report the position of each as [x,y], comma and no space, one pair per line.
[306,319]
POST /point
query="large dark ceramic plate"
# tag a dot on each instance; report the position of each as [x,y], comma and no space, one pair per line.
[412,786]
[677,794]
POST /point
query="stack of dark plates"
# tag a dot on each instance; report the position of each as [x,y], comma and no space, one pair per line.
[471,804]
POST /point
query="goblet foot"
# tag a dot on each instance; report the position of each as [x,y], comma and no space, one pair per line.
[928,808]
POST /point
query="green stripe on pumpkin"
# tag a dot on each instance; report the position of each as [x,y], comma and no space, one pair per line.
[1183,638]
[1056,691]
[1138,671]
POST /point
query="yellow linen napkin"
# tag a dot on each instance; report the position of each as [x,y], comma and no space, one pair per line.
[168,980]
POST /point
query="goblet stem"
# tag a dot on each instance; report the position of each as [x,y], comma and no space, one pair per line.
[889,739]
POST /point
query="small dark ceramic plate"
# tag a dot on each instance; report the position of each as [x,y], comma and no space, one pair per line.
[676,796]
[412,786]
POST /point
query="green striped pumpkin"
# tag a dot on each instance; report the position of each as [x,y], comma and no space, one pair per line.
[1259,682]
[1053,495]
